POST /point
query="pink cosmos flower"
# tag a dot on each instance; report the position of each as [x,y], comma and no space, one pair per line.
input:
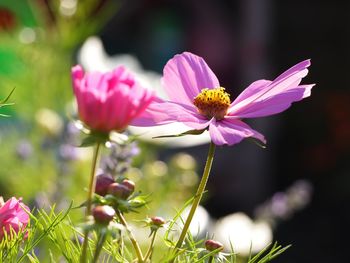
[13,216]
[198,100]
[109,101]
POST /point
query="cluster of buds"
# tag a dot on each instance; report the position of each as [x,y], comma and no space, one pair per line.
[105,184]
[113,195]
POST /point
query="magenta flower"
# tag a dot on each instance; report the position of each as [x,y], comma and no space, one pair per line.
[13,216]
[109,101]
[198,100]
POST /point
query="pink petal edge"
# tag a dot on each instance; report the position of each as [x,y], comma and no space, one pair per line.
[232,131]
[185,75]
[264,98]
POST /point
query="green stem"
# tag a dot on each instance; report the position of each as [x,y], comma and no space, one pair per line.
[101,240]
[131,236]
[199,194]
[150,249]
[89,200]
[210,260]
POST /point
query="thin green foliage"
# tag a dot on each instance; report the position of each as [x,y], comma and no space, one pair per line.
[266,256]
[4,102]
[46,224]
[173,222]
[16,247]
[64,235]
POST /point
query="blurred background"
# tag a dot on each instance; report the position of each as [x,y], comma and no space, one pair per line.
[299,184]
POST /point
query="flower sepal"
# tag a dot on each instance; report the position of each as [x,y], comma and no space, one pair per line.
[112,228]
[93,138]
[257,142]
[190,132]
[154,223]
[131,204]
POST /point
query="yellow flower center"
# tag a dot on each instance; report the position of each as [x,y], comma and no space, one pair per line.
[213,103]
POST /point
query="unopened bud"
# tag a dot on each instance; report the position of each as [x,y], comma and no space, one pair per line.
[157,221]
[102,183]
[119,190]
[129,184]
[211,245]
[103,214]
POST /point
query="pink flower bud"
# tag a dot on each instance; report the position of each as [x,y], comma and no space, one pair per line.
[211,245]
[13,216]
[129,184]
[102,183]
[103,214]
[157,221]
[119,190]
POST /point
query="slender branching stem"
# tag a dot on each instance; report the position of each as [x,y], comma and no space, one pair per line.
[131,236]
[198,196]
[89,201]
[150,249]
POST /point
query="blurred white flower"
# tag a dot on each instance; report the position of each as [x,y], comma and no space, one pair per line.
[243,233]
[92,56]
[201,223]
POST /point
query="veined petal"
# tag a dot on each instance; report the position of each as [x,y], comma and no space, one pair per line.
[275,104]
[162,112]
[232,131]
[185,76]
[251,90]
[120,74]
[154,115]
[263,97]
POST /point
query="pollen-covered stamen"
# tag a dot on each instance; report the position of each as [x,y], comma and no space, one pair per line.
[213,103]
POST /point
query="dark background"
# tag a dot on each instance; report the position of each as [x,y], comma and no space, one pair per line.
[243,41]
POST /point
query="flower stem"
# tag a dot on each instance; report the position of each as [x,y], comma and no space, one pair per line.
[150,249]
[210,260]
[101,239]
[89,200]
[131,236]
[199,194]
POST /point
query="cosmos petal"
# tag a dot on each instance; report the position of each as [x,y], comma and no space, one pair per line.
[264,98]
[252,89]
[185,75]
[232,131]
[162,112]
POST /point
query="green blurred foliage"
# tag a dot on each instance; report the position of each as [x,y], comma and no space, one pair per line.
[38,40]
[37,53]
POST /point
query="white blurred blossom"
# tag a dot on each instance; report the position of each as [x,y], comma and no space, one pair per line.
[243,233]
[201,222]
